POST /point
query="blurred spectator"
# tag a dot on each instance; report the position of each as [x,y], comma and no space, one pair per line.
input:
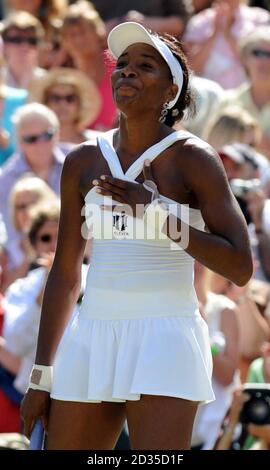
[233,124]
[51,53]
[259,291]
[10,100]
[24,297]
[255,436]
[49,13]
[21,318]
[46,11]
[168,16]
[212,38]
[255,95]
[254,328]
[22,34]
[75,100]
[83,36]
[259,371]
[37,129]
[242,168]
[16,256]
[208,96]
[220,314]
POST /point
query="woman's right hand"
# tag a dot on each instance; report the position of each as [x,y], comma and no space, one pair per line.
[35,404]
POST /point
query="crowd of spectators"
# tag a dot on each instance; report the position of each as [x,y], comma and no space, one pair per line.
[55,93]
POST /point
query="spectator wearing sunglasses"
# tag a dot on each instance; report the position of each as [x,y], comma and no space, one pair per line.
[46,11]
[254,96]
[37,130]
[27,192]
[74,98]
[22,34]
[21,315]
[83,37]
[24,297]
[212,37]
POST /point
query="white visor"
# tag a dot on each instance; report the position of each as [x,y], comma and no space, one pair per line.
[126,34]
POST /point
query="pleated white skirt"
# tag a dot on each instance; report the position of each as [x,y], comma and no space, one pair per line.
[117,360]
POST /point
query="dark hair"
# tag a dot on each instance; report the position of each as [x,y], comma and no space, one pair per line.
[39,216]
[186,99]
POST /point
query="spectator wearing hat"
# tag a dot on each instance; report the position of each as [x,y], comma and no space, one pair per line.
[16,255]
[254,96]
[74,98]
[212,37]
[22,34]
[241,165]
[37,129]
[83,37]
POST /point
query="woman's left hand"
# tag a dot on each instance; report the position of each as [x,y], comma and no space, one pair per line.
[135,196]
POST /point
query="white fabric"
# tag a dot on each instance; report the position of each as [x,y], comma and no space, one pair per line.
[139,329]
[266,216]
[45,382]
[128,33]
[155,216]
[21,321]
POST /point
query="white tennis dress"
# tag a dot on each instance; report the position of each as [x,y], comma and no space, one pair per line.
[138,330]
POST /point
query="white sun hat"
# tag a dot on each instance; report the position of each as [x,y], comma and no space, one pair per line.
[126,34]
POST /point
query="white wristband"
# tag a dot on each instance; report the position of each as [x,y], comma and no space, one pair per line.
[155,217]
[41,378]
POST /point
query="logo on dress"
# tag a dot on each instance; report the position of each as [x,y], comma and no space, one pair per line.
[120,224]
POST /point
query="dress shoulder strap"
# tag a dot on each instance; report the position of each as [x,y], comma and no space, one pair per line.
[106,146]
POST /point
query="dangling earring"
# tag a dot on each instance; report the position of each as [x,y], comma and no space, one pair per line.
[164,112]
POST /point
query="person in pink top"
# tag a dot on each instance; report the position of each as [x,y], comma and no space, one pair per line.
[83,36]
[212,37]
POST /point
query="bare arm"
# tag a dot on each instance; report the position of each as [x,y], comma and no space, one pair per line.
[63,285]
[226,248]
[264,252]
[199,53]
[225,364]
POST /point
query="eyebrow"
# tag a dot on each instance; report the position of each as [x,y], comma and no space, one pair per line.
[144,55]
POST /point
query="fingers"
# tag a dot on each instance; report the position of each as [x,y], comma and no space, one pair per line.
[28,427]
[116,182]
[113,195]
[108,187]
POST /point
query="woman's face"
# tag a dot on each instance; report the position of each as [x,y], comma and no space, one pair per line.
[46,238]
[37,140]
[257,62]
[25,52]
[80,39]
[22,203]
[141,79]
[65,102]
